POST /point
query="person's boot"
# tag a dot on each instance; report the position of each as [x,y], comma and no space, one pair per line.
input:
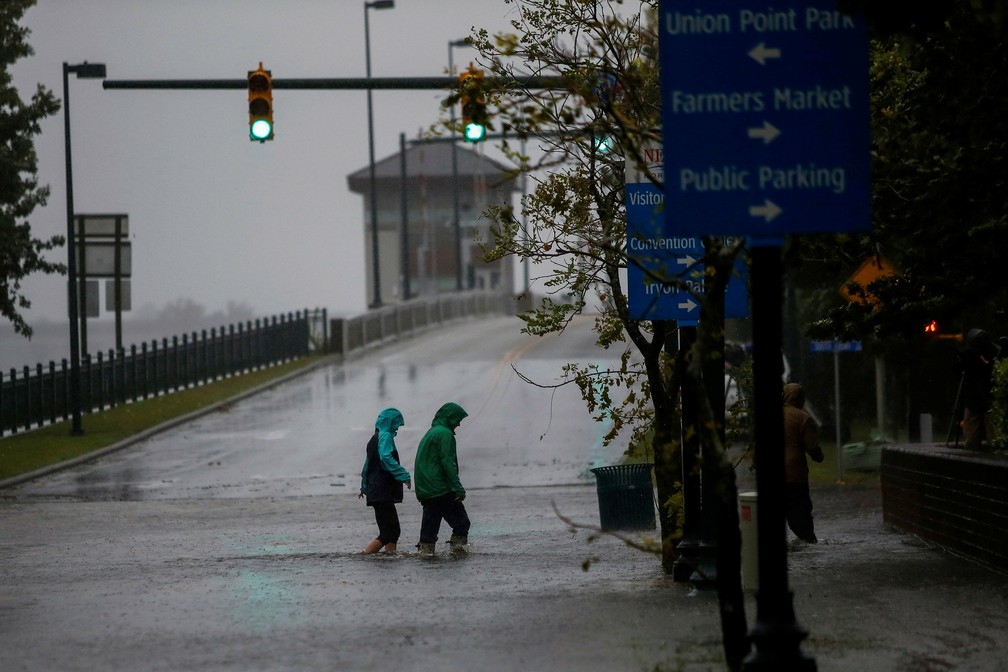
[424,548]
[457,545]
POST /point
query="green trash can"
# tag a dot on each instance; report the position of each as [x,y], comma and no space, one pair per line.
[625,497]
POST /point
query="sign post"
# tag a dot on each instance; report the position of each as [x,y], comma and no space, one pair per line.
[836,347]
[765,111]
[105,252]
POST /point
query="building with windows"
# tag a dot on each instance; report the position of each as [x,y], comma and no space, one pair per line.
[423,206]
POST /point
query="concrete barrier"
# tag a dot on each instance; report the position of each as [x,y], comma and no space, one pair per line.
[352,334]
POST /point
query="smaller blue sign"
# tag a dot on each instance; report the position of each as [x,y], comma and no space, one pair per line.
[835,346]
[664,274]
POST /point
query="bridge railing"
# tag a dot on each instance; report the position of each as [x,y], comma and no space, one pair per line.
[34,397]
[349,335]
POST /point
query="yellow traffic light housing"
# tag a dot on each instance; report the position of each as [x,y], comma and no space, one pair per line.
[260,102]
[473,103]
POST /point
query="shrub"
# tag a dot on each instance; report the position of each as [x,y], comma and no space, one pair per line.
[999,408]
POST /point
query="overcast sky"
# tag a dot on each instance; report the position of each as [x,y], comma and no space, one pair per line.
[214,217]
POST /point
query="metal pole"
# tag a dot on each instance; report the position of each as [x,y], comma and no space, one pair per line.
[836,410]
[117,286]
[404,232]
[75,398]
[456,224]
[776,635]
[525,222]
[336,84]
[82,285]
[375,271]
[705,578]
[689,548]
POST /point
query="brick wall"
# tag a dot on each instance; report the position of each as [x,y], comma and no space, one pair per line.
[952,497]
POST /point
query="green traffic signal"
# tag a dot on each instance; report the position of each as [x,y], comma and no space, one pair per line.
[260,130]
[474,132]
[604,143]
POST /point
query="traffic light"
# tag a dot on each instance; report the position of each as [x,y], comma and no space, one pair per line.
[602,142]
[474,114]
[260,101]
[931,328]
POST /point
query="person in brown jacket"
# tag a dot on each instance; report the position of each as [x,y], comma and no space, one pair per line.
[801,438]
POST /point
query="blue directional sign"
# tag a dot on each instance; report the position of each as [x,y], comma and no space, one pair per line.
[653,262]
[766,118]
[665,272]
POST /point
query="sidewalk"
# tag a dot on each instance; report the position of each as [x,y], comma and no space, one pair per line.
[279,584]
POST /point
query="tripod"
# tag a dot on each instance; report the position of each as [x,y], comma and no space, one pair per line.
[957,415]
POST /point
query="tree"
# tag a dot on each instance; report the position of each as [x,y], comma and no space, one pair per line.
[20,193]
[939,159]
[601,106]
[940,141]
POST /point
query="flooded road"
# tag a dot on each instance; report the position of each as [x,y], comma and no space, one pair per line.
[233,543]
[307,437]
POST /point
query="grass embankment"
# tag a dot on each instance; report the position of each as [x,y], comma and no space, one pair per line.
[26,452]
[826,472]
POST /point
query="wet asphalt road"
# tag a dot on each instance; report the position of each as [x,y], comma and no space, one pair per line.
[306,437]
[232,543]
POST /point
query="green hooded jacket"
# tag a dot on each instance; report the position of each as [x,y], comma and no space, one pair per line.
[435,471]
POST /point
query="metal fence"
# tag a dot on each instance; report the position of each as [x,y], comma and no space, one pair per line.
[41,396]
[36,397]
[394,321]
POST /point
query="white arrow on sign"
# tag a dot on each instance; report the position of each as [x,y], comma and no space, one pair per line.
[767,132]
[760,53]
[688,304]
[686,261]
[769,210]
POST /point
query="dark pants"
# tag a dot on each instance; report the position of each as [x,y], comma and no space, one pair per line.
[446,508]
[799,511]
[388,522]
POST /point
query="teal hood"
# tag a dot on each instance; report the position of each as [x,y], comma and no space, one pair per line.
[390,420]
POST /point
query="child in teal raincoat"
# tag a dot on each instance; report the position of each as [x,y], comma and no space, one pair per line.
[382,480]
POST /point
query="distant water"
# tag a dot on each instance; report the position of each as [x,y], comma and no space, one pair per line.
[51,341]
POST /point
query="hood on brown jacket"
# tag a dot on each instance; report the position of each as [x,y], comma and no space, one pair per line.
[794,395]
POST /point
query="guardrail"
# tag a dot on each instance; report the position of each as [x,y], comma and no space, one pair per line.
[40,396]
[348,335]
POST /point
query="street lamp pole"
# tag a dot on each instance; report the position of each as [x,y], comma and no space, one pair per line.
[454,161]
[83,71]
[376,271]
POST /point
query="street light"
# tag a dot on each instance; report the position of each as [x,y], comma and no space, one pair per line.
[83,70]
[376,272]
[454,162]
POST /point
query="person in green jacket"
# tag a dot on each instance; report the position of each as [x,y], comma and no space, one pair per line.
[436,476]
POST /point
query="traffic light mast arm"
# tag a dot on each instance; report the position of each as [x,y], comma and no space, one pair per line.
[342,84]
